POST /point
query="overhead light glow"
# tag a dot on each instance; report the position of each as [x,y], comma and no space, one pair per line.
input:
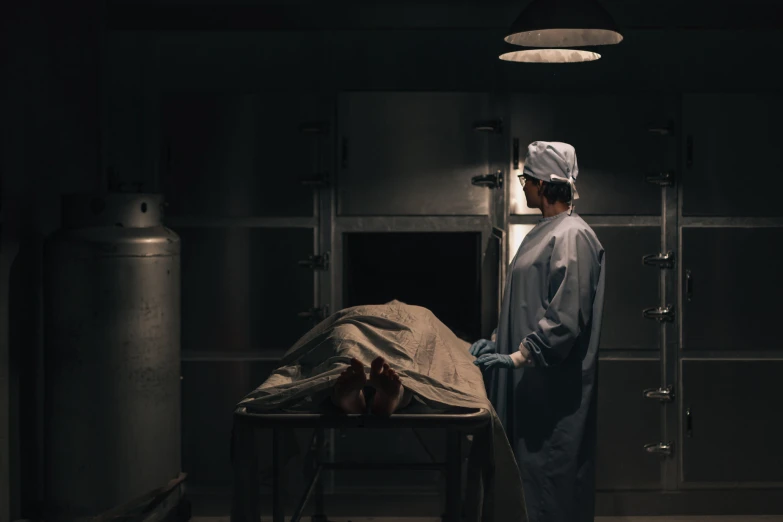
[550,56]
[573,37]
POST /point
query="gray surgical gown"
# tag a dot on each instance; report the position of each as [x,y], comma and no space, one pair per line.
[553,301]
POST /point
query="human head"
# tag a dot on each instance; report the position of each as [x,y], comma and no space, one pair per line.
[550,171]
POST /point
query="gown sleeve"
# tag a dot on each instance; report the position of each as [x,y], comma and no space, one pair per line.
[573,277]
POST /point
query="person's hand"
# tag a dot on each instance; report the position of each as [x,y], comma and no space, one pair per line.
[494,360]
[482,346]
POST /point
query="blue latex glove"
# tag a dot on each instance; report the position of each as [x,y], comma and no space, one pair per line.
[494,360]
[483,346]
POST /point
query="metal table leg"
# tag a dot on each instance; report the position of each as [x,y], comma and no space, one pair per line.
[319,515]
[453,477]
[277,478]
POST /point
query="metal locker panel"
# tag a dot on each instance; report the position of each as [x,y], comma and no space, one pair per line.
[241,156]
[626,422]
[615,149]
[210,391]
[729,298]
[242,288]
[732,154]
[631,287]
[732,425]
[412,154]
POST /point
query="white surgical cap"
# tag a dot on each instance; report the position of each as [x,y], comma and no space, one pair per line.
[553,162]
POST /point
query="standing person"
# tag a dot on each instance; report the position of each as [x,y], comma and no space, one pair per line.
[541,371]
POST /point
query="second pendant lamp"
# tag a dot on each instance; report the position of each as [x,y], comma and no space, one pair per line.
[555,27]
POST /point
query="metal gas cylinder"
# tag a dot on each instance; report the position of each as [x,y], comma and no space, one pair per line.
[112,359]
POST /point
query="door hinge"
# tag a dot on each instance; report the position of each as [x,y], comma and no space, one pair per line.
[316,314]
[664,179]
[317,262]
[663,315]
[661,394]
[660,260]
[490,180]
[660,448]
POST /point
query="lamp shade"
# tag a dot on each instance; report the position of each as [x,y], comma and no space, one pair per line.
[563,23]
[550,56]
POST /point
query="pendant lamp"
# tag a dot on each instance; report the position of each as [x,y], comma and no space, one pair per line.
[555,27]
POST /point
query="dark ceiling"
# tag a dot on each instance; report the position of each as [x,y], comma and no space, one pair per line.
[412,14]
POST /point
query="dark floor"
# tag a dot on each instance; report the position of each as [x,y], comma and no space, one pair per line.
[734,518]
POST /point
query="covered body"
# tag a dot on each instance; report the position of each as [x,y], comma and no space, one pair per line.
[553,303]
[432,363]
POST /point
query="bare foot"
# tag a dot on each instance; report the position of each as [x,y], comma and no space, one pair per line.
[389,390]
[347,393]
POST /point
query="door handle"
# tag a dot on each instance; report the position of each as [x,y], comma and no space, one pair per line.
[316,262]
[688,286]
[663,315]
[664,179]
[660,449]
[660,260]
[661,394]
[489,180]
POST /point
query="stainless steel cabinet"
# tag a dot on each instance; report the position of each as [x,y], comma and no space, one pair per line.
[247,180]
[729,277]
[731,422]
[730,288]
[733,159]
[243,155]
[622,465]
[210,390]
[243,288]
[412,154]
[631,287]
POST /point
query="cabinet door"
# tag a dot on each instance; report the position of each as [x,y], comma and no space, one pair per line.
[210,391]
[732,423]
[730,287]
[631,287]
[732,153]
[242,288]
[412,154]
[242,156]
[626,422]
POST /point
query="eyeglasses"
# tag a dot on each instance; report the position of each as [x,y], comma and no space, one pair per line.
[524,179]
